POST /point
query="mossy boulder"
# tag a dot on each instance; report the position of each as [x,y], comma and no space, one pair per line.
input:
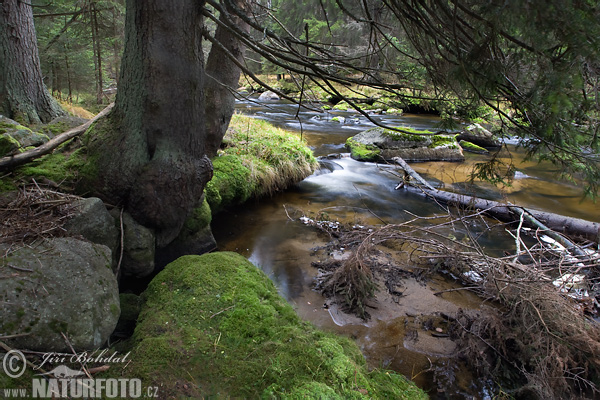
[139,248]
[480,136]
[214,326]
[378,144]
[61,285]
[472,147]
[195,237]
[15,137]
[60,125]
[342,106]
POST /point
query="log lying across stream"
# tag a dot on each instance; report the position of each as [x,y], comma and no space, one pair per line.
[573,227]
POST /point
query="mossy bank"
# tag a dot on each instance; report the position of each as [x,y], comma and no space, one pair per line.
[256,159]
[214,326]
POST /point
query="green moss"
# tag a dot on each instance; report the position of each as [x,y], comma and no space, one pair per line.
[200,218]
[8,145]
[408,134]
[444,141]
[55,129]
[214,325]
[363,152]
[229,185]
[472,147]
[258,159]
[342,106]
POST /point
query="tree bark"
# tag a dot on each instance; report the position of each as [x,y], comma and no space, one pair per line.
[222,78]
[150,153]
[23,95]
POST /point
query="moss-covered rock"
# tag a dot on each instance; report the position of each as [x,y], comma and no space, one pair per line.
[342,106]
[363,152]
[214,325]
[480,136]
[195,237]
[8,145]
[410,144]
[15,137]
[472,147]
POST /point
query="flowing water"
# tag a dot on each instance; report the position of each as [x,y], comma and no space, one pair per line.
[363,193]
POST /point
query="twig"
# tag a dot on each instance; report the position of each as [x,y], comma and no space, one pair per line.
[222,311]
[122,244]
[83,368]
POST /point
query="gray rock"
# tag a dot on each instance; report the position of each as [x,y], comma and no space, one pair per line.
[63,285]
[268,96]
[377,143]
[480,136]
[139,248]
[94,223]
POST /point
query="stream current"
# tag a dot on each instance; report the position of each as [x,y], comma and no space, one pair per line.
[363,193]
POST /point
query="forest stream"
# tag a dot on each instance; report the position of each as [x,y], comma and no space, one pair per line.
[400,335]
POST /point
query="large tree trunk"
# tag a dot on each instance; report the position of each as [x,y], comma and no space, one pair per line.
[222,78]
[151,156]
[23,95]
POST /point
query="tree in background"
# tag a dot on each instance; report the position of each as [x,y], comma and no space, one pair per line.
[80,47]
[23,95]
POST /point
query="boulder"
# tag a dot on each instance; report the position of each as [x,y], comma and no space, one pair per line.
[480,136]
[139,249]
[62,285]
[215,326]
[93,222]
[472,147]
[378,144]
[14,137]
[268,96]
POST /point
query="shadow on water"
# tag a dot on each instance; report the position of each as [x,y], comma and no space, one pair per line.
[397,336]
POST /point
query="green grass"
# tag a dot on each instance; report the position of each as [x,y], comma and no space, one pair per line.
[258,159]
[214,326]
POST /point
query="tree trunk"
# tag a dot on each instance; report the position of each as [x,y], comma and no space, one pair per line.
[151,155]
[23,95]
[222,78]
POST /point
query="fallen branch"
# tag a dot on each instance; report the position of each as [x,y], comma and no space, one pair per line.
[49,146]
[570,226]
[408,171]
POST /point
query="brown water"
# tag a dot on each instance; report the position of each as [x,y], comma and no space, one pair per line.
[399,334]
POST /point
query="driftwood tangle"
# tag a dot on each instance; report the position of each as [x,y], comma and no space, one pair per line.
[574,227]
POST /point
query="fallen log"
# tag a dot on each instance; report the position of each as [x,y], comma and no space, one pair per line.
[410,173]
[49,146]
[570,226]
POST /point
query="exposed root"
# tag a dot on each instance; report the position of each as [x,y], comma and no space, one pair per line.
[538,337]
[352,281]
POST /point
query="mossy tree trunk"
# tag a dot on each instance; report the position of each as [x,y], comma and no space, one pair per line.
[222,76]
[149,154]
[23,95]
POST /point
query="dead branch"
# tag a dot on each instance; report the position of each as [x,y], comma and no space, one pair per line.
[22,158]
